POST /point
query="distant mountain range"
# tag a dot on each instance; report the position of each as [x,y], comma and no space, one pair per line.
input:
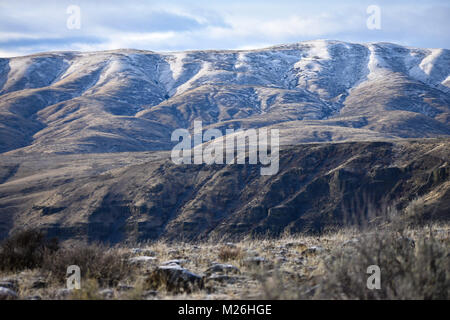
[85,139]
[130,100]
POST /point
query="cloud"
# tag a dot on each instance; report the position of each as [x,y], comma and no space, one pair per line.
[26,27]
[153,21]
[50,42]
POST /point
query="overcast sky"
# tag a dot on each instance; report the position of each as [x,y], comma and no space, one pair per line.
[42,25]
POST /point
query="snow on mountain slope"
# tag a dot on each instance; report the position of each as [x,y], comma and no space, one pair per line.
[32,72]
[127,100]
[176,64]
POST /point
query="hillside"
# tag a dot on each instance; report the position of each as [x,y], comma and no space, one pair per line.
[85,139]
[141,196]
[130,100]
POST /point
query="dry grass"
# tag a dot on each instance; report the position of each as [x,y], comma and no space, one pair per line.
[229,253]
[332,266]
[107,265]
[25,249]
[410,269]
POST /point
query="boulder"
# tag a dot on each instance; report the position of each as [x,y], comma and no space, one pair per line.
[175,279]
[179,262]
[38,283]
[7,294]
[230,244]
[12,284]
[149,294]
[124,287]
[142,260]
[222,268]
[255,262]
[312,251]
[141,251]
[63,293]
[106,293]
[221,278]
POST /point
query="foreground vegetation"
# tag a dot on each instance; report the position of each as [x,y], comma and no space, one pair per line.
[414,263]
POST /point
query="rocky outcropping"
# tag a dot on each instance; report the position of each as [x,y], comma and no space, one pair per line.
[318,186]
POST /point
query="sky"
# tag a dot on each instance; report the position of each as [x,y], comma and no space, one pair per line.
[85,25]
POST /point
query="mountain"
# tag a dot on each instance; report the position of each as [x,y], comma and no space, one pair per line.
[116,197]
[85,139]
[130,100]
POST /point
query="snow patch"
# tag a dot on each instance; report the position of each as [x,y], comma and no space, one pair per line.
[319,49]
[114,68]
[204,71]
[446,82]
[241,61]
[427,63]
[376,64]
[176,64]
[19,68]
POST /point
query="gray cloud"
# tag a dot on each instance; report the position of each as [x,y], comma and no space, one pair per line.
[50,42]
[27,27]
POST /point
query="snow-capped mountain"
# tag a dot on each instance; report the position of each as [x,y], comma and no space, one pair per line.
[65,115]
[131,100]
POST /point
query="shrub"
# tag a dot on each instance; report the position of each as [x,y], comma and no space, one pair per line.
[89,291]
[227,253]
[25,250]
[409,270]
[95,261]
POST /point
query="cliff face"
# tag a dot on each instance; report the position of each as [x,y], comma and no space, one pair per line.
[104,197]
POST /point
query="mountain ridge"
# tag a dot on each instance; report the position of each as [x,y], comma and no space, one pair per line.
[85,139]
[130,100]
